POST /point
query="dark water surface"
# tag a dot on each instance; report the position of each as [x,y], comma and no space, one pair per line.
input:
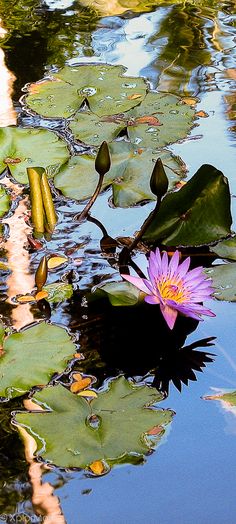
[187,48]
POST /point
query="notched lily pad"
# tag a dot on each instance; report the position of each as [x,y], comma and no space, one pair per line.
[103,86]
[197,214]
[22,148]
[124,415]
[158,120]
[32,356]
[129,174]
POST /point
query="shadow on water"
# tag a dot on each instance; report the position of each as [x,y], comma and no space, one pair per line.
[137,342]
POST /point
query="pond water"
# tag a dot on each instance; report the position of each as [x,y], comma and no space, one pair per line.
[188,49]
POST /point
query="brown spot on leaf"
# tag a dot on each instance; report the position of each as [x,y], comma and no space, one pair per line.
[149,119]
[11,161]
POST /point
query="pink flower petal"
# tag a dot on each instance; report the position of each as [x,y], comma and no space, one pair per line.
[169,315]
[152,299]
[137,282]
[173,265]
[183,268]
[164,264]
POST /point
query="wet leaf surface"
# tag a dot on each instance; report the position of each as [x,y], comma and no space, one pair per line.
[225,248]
[199,213]
[28,145]
[32,356]
[159,120]
[124,414]
[104,87]
[129,174]
[224,281]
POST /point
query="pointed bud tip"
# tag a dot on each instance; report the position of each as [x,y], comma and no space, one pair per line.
[159,182]
[103,159]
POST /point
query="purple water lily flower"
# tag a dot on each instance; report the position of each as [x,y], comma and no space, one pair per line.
[174,287]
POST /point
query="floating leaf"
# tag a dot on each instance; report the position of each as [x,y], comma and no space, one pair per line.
[225,248]
[227,399]
[88,393]
[199,213]
[97,467]
[159,120]
[103,86]
[123,414]
[22,299]
[4,201]
[119,293]
[58,291]
[32,356]
[78,385]
[224,281]
[129,175]
[173,120]
[41,294]
[56,261]
[33,147]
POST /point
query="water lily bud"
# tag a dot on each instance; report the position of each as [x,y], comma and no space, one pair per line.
[159,181]
[103,159]
[41,273]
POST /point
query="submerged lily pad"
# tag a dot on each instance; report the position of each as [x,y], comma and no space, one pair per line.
[4,201]
[32,356]
[197,214]
[123,416]
[129,174]
[103,86]
[22,148]
[159,120]
[224,281]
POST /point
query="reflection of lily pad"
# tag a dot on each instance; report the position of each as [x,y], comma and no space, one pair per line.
[199,213]
[32,356]
[111,427]
[159,120]
[104,86]
[22,148]
[224,281]
[129,175]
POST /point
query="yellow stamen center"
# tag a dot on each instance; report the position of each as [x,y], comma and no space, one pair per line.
[172,290]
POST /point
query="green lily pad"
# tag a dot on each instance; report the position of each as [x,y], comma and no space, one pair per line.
[22,148]
[32,356]
[129,174]
[118,293]
[224,281]
[103,86]
[4,201]
[159,120]
[197,214]
[124,414]
[58,292]
[225,248]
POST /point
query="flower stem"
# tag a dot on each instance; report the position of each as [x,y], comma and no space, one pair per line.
[81,216]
